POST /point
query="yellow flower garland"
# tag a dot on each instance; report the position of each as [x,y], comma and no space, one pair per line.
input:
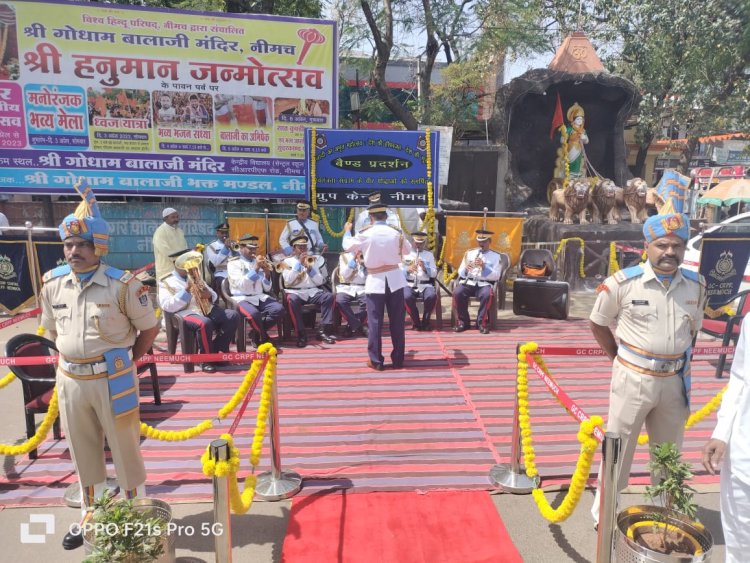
[314,192]
[41,433]
[226,410]
[429,219]
[241,502]
[560,246]
[564,139]
[614,265]
[589,445]
[10,376]
[697,416]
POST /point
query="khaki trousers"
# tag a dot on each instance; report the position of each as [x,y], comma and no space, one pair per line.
[636,399]
[86,415]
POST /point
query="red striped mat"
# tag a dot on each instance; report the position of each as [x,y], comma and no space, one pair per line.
[440,423]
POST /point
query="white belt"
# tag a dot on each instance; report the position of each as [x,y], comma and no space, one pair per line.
[653,364]
[86,369]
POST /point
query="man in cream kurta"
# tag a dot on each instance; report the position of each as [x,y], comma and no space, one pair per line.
[168,239]
[382,248]
[729,449]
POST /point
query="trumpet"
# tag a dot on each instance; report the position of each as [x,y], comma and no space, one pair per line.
[263,263]
[310,260]
[279,267]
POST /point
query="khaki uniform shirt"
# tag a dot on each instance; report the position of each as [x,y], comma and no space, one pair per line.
[650,317]
[103,313]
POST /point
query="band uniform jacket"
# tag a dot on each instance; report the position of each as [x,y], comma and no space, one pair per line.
[103,313]
[217,255]
[363,220]
[298,281]
[247,284]
[382,247]
[294,228]
[427,274]
[489,274]
[352,275]
[174,296]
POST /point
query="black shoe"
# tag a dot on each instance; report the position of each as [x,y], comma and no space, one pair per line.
[72,541]
[301,340]
[375,366]
[416,326]
[208,368]
[364,331]
[425,325]
[325,337]
[460,327]
[484,329]
[348,332]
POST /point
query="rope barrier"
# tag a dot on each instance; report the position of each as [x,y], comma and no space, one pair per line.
[21,317]
[146,358]
[241,501]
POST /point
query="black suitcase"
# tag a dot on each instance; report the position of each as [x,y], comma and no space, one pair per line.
[536,297]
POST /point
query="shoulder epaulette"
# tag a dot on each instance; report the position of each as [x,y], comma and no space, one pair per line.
[693,276]
[120,275]
[628,273]
[56,273]
[165,276]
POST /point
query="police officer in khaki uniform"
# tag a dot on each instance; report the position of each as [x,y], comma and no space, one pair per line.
[659,310]
[102,321]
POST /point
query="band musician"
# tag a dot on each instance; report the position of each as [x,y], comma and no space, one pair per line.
[302,225]
[304,275]
[363,219]
[350,290]
[218,253]
[480,269]
[420,270]
[184,293]
[250,284]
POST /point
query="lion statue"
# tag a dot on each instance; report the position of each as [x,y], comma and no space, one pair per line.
[633,196]
[574,199]
[603,202]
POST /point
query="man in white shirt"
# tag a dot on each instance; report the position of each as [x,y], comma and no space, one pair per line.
[363,219]
[250,284]
[302,225]
[420,270]
[168,239]
[303,283]
[382,247]
[729,449]
[480,269]
[350,290]
[217,254]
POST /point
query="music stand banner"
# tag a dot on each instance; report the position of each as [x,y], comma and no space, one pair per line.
[723,263]
[16,288]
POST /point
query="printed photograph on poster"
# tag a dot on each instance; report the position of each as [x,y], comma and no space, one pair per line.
[300,110]
[242,124]
[9,69]
[183,120]
[120,119]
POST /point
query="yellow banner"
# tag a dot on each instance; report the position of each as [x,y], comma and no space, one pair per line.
[241,226]
[460,236]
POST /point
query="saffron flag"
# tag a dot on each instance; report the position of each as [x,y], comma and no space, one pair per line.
[674,186]
[241,226]
[460,236]
[557,119]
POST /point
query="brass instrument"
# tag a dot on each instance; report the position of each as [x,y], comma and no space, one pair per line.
[309,261]
[281,266]
[196,285]
[235,246]
[263,263]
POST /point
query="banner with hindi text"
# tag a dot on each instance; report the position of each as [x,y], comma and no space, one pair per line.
[160,102]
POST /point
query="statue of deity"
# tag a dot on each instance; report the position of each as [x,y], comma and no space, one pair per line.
[571,152]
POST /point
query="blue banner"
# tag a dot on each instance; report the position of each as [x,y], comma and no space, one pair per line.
[16,288]
[723,263]
[349,165]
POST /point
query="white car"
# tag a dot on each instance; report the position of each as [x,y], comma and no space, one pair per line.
[737,224]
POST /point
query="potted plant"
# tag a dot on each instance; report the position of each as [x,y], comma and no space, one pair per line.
[128,531]
[668,529]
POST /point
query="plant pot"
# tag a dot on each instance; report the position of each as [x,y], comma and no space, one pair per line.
[157,508]
[630,520]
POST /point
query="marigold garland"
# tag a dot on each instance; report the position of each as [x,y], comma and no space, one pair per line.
[40,435]
[614,265]
[697,416]
[429,219]
[241,502]
[589,445]
[563,242]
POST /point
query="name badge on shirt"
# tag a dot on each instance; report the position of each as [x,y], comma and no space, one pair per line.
[639,302]
[60,306]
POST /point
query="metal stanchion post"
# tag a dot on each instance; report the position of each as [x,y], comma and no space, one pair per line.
[268,233]
[512,476]
[608,497]
[222,509]
[276,484]
[32,262]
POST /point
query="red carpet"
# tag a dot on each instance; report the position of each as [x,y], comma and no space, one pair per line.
[397,527]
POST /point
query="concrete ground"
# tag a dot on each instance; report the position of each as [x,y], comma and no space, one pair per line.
[259,535]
